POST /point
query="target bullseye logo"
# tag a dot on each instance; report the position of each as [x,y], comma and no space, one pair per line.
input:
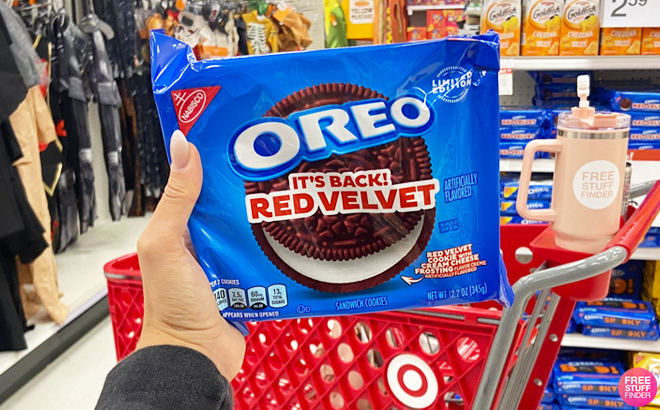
[412,381]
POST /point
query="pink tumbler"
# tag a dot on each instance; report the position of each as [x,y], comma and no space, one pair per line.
[590,152]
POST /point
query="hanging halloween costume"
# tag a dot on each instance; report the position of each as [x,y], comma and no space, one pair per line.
[21,235]
[33,125]
[109,102]
[20,230]
[71,51]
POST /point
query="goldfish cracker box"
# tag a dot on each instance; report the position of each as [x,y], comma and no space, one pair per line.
[541,27]
[503,16]
[651,41]
[580,28]
[620,41]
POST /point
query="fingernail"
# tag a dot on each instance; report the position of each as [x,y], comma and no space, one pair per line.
[179,150]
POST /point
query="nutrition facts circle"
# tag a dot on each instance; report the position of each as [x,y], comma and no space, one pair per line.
[638,387]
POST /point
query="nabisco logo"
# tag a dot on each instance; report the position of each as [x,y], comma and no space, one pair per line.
[192,106]
[189,105]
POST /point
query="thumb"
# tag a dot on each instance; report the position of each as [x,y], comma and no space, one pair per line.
[183,187]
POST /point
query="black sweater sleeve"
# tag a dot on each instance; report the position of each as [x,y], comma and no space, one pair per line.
[163,378]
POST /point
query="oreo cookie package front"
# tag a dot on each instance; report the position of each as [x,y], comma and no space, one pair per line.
[341,181]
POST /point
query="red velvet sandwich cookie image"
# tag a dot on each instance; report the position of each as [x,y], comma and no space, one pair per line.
[352,220]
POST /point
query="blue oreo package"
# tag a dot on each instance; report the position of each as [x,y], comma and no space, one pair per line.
[587,377]
[567,92]
[644,120]
[644,135]
[548,394]
[549,406]
[643,145]
[538,190]
[626,281]
[522,116]
[509,207]
[650,333]
[647,100]
[572,326]
[515,149]
[651,239]
[518,220]
[520,135]
[341,181]
[582,401]
[558,77]
[615,314]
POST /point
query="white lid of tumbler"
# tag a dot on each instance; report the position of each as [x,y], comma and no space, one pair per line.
[584,118]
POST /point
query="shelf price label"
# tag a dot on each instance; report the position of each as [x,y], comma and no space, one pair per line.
[630,13]
[505,77]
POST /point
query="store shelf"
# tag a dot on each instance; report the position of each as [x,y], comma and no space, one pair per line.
[81,280]
[583,63]
[646,254]
[515,165]
[578,340]
[412,9]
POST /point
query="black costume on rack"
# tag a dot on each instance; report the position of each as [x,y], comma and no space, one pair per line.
[20,230]
[109,100]
[68,62]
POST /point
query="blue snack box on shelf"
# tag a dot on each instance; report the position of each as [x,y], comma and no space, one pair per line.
[582,401]
[649,334]
[616,314]
[587,377]
[644,120]
[522,116]
[626,281]
[538,190]
[508,208]
[521,134]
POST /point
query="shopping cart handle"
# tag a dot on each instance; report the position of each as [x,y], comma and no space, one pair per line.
[632,233]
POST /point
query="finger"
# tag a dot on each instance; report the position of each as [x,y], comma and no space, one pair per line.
[182,190]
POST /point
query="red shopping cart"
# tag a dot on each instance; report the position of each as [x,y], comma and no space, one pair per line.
[445,358]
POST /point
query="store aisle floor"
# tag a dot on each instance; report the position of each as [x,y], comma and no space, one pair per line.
[74,380]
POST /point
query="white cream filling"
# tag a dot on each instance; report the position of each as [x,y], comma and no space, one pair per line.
[349,271]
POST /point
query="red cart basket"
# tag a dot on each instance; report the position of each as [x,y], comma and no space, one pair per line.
[445,358]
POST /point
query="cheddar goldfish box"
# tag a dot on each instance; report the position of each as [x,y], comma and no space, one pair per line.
[651,41]
[342,181]
[503,16]
[620,41]
[580,28]
[541,27]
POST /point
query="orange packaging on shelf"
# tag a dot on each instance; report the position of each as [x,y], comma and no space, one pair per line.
[360,16]
[620,41]
[452,18]
[435,19]
[435,33]
[651,41]
[580,28]
[503,16]
[435,24]
[416,33]
[541,27]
